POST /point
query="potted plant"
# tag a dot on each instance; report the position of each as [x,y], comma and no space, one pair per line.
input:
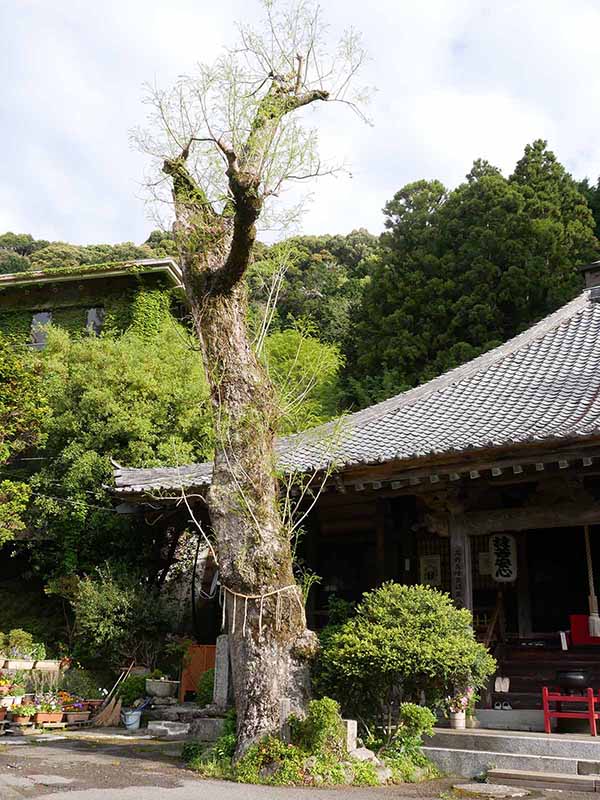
[76,712]
[457,708]
[5,684]
[17,692]
[3,713]
[471,720]
[22,714]
[48,709]
[3,648]
[20,649]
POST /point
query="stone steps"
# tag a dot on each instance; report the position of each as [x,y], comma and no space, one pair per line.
[530,779]
[542,744]
[474,753]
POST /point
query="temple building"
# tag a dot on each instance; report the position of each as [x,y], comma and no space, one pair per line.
[481,482]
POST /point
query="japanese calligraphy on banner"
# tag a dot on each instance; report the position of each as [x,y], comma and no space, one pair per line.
[503,557]
[431,570]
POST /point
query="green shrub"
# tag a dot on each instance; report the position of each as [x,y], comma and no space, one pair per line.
[20,644]
[205,687]
[403,641]
[272,762]
[321,731]
[82,683]
[365,773]
[119,617]
[133,688]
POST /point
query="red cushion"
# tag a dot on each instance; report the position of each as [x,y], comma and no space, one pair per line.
[580,633]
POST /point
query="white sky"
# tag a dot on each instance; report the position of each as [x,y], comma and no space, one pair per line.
[456,80]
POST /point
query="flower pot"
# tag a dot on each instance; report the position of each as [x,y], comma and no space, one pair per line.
[472,722]
[158,688]
[77,716]
[94,705]
[2,714]
[48,716]
[7,701]
[458,719]
[48,665]
[19,664]
[17,699]
[19,720]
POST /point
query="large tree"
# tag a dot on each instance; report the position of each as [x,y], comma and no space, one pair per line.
[462,271]
[228,138]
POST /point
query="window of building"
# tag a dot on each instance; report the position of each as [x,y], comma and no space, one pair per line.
[39,328]
[95,320]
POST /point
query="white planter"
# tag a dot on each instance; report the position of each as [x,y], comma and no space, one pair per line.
[17,699]
[48,665]
[458,719]
[19,664]
[6,701]
[158,688]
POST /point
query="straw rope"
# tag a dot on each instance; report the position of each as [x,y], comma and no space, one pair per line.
[225,591]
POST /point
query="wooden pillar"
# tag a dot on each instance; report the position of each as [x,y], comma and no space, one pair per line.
[523,589]
[380,541]
[461,575]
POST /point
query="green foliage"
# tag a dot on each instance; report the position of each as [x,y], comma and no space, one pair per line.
[322,281]
[82,683]
[322,730]
[133,688]
[365,773]
[119,618]
[12,262]
[22,407]
[22,413]
[271,762]
[140,400]
[403,640]
[463,271]
[305,374]
[18,643]
[205,687]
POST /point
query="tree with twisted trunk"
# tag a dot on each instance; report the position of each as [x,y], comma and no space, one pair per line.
[225,140]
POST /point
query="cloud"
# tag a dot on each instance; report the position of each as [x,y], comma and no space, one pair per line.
[456,79]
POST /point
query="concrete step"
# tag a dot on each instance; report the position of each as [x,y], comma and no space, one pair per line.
[531,779]
[472,763]
[553,745]
[165,729]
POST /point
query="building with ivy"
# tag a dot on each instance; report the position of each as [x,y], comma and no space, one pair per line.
[102,297]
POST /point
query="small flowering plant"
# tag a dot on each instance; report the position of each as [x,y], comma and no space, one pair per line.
[24,710]
[48,703]
[4,680]
[461,701]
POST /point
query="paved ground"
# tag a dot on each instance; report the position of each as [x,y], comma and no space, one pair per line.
[93,766]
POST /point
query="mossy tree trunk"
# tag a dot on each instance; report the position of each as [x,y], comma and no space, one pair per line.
[269,641]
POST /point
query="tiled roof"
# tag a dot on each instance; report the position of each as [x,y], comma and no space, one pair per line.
[542,385]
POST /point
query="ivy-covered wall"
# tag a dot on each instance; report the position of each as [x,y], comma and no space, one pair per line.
[140,301]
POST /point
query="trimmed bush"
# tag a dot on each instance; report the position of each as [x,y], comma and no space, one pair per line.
[403,642]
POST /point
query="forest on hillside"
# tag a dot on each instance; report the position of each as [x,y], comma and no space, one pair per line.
[456,272]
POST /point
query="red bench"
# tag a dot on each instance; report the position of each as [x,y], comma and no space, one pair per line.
[553,696]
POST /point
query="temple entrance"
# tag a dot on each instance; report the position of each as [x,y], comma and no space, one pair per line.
[557,575]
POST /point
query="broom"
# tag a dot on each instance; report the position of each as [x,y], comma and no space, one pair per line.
[594,617]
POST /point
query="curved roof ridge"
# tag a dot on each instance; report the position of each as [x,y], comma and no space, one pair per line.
[478,364]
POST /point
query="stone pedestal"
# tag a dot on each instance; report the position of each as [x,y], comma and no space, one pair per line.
[351,733]
[222,672]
